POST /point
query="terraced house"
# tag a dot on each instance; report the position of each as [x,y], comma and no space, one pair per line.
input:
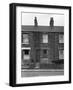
[42,47]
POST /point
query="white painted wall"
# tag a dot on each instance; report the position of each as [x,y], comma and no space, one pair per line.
[4,45]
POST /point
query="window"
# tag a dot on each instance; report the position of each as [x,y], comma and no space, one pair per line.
[45,38]
[61,54]
[25,39]
[61,38]
[26,54]
[45,51]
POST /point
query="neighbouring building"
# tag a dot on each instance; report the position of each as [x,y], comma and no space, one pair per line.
[42,46]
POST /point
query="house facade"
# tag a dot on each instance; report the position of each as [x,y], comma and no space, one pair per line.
[42,47]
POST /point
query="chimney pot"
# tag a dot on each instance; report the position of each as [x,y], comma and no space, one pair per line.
[51,22]
[35,21]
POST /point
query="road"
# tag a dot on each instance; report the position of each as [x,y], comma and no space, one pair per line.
[31,73]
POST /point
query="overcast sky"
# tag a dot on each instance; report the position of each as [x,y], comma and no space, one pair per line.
[43,19]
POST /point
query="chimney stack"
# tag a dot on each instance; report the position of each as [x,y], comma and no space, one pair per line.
[35,22]
[51,22]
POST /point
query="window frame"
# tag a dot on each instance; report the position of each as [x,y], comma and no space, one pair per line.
[25,38]
[46,37]
[61,39]
[62,54]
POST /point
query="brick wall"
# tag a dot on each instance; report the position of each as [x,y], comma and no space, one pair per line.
[35,42]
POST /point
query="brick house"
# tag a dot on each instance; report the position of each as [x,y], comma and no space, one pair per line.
[42,46]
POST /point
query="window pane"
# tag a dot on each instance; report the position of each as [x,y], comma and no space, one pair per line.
[26,54]
[45,51]
[61,54]
[61,38]
[25,39]
[45,38]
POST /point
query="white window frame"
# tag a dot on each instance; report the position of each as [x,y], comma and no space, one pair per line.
[26,39]
[61,56]
[61,38]
[45,38]
[26,57]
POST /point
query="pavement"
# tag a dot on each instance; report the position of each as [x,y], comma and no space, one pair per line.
[41,72]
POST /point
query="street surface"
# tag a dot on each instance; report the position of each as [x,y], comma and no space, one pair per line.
[31,73]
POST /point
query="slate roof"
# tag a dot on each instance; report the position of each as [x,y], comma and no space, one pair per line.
[43,28]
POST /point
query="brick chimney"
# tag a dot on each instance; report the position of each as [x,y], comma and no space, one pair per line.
[51,22]
[35,22]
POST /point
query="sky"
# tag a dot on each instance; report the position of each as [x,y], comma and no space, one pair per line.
[43,19]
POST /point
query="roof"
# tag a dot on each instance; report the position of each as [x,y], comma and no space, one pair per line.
[43,28]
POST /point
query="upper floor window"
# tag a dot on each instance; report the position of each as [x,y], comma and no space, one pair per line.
[25,38]
[45,38]
[61,38]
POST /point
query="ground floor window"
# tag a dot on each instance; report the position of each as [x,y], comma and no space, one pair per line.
[26,54]
[45,52]
[61,54]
